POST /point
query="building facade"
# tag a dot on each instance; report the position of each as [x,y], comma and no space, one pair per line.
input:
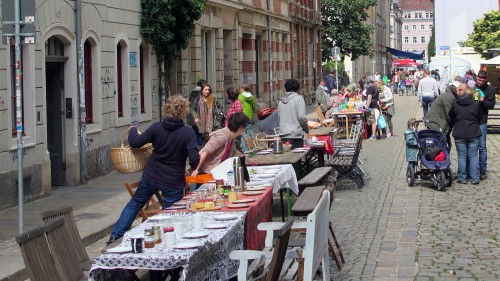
[260,43]
[418,22]
[396,26]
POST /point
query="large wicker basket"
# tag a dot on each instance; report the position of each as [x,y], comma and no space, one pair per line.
[126,159]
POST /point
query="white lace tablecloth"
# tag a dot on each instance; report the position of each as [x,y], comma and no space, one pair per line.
[209,262]
[286,178]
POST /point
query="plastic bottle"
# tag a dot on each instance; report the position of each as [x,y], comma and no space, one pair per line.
[230,178]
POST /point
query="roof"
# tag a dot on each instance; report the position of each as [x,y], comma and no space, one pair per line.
[495,60]
[416,5]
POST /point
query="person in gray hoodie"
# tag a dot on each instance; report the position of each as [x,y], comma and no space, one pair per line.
[292,114]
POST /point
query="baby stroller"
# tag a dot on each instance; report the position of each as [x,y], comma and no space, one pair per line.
[432,161]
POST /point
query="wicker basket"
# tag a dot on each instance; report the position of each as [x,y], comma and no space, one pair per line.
[126,159]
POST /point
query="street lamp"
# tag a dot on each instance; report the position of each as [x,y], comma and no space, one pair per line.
[336,58]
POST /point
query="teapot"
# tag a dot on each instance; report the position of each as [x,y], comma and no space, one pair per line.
[277,147]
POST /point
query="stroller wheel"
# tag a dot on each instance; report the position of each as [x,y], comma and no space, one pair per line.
[449,177]
[410,174]
[440,181]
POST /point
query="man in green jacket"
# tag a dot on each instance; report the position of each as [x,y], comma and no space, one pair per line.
[438,118]
[249,108]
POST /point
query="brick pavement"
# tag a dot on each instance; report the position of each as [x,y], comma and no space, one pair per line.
[390,231]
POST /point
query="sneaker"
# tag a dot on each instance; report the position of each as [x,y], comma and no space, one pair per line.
[390,135]
[111,240]
[373,137]
[475,183]
[482,176]
[461,182]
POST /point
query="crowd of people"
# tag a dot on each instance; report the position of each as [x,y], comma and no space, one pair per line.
[462,111]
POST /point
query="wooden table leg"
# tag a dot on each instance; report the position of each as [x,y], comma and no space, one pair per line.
[282,205]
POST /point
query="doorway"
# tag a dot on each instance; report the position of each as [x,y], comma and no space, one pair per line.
[54,81]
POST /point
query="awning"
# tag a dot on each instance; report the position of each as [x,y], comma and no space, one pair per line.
[403,54]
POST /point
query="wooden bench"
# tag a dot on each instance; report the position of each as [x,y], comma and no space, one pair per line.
[313,177]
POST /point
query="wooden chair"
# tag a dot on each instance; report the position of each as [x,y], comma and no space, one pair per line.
[305,204]
[325,122]
[152,207]
[346,160]
[36,255]
[313,250]
[75,240]
[276,257]
[65,257]
[259,273]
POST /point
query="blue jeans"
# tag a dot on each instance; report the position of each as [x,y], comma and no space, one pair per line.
[142,194]
[483,152]
[467,151]
[427,103]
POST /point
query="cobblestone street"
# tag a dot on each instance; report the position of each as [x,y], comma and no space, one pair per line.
[389,231]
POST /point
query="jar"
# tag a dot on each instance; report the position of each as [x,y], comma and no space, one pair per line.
[149,238]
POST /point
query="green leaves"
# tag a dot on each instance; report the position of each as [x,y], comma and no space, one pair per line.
[168,24]
[344,24]
[486,33]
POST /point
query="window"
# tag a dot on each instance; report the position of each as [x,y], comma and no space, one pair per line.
[414,27]
[422,27]
[87,61]
[122,81]
[414,40]
[418,15]
[429,15]
[13,89]
[409,15]
[430,26]
[406,27]
[422,39]
[406,40]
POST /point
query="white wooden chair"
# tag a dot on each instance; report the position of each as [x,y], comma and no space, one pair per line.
[315,250]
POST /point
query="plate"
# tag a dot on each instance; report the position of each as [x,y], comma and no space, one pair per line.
[176,207]
[263,152]
[244,201]
[188,245]
[257,188]
[215,226]
[252,192]
[194,235]
[180,203]
[236,206]
[120,249]
[225,217]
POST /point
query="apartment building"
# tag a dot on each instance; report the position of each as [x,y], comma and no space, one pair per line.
[418,23]
[260,43]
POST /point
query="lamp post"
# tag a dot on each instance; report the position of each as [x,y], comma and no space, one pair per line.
[336,57]
[384,61]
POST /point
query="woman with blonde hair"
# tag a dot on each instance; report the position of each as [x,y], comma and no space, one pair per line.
[173,143]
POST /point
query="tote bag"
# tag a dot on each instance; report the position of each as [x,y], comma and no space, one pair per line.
[381,122]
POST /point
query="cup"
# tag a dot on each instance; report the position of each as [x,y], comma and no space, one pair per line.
[198,221]
[178,229]
[232,196]
[219,182]
[136,244]
[170,238]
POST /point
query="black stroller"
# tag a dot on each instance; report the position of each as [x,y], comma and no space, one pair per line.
[432,159]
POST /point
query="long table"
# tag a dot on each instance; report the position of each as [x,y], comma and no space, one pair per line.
[207,262]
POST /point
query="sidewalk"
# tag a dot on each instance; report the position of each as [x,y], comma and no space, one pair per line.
[96,207]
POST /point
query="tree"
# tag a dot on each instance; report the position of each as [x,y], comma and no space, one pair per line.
[168,25]
[344,24]
[431,48]
[486,33]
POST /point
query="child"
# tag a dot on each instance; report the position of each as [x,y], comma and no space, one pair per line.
[411,143]
[478,94]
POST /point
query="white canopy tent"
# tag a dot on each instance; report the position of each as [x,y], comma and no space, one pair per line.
[495,60]
[445,63]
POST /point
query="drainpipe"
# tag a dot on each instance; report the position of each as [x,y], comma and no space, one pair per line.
[270,54]
[315,30]
[81,93]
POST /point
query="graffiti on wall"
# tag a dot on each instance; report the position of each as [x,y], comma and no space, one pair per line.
[14,155]
[106,81]
[103,159]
